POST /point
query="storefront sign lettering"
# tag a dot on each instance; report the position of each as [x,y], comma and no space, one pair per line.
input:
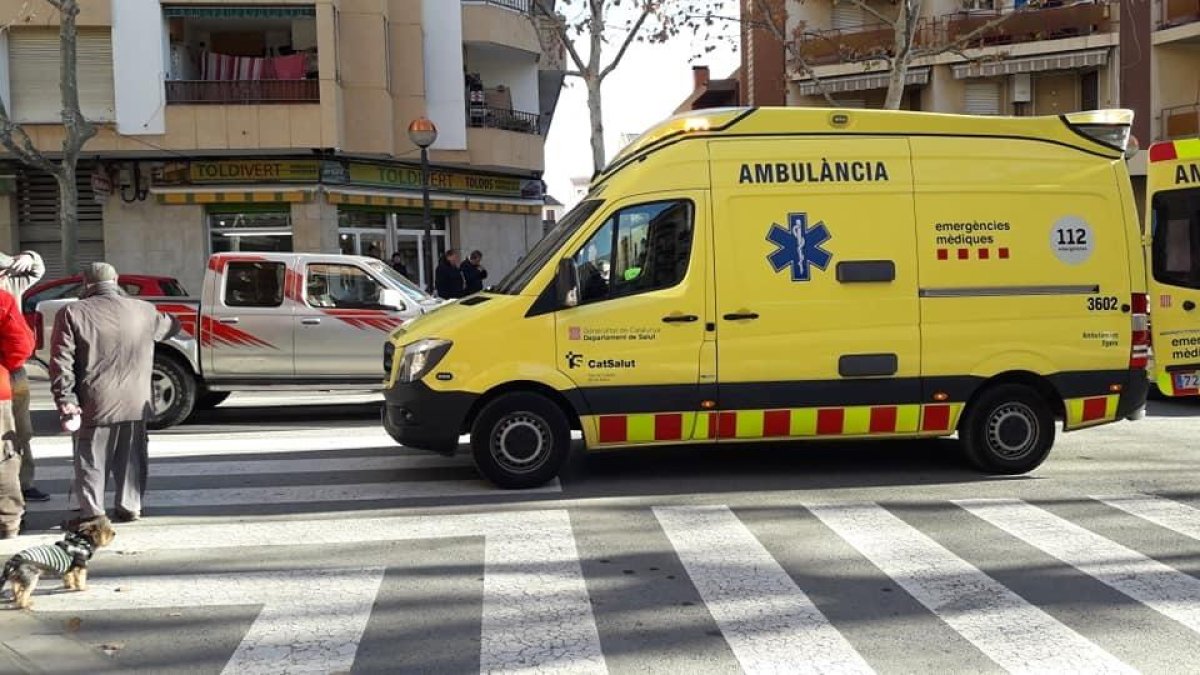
[441,180]
[254,171]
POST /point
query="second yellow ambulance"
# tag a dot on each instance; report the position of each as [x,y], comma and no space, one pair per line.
[752,275]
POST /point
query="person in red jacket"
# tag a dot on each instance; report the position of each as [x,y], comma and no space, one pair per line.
[16,346]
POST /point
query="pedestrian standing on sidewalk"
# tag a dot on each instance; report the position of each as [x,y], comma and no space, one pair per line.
[448,278]
[102,353]
[16,345]
[17,275]
[473,273]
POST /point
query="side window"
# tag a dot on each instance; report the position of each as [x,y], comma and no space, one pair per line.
[55,293]
[638,249]
[341,287]
[132,289]
[1175,251]
[254,284]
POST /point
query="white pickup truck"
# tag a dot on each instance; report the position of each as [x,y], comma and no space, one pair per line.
[270,322]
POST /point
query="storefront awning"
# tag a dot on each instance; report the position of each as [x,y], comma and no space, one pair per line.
[399,199]
[231,195]
[1088,58]
[228,12]
[865,82]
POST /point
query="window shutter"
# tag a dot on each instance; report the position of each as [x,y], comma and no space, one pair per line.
[982,98]
[34,74]
[848,15]
[37,218]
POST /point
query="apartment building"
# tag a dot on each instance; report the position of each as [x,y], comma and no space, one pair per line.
[282,126]
[1052,57]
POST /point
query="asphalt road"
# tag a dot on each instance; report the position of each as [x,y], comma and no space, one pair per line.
[298,537]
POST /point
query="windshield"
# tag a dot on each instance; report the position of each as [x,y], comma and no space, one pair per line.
[1175,255]
[533,262]
[401,283]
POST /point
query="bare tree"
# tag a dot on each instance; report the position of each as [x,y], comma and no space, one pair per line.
[77,129]
[909,42]
[585,28]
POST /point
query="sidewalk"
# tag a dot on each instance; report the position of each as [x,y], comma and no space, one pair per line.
[29,645]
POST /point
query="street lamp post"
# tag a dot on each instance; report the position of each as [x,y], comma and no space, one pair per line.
[423,134]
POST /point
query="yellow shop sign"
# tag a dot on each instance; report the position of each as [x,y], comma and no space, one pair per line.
[440,180]
[235,171]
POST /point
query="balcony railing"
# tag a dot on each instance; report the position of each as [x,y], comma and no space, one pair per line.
[523,6]
[869,41]
[243,92]
[1182,121]
[1178,12]
[482,117]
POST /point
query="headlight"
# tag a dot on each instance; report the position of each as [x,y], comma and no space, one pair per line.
[420,357]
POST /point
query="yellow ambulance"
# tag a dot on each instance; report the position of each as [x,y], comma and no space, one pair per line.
[1173,210]
[773,274]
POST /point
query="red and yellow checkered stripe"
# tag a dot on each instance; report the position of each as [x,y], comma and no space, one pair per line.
[828,422]
[1167,151]
[1085,412]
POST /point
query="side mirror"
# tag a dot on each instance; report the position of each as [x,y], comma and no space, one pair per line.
[567,283]
[391,299]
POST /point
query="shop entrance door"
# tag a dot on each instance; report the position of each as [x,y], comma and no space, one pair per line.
[410,243]
[371,243]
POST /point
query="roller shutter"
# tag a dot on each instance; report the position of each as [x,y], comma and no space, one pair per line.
[982,98]
[848,15]
[37,219]
[33,62]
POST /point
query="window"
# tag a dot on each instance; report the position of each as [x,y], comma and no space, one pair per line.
[254,284]
[341,287]
[534,261]
[33,61]
[67,290]
[171,288]
[1176,244]
[641,248]
[248,229]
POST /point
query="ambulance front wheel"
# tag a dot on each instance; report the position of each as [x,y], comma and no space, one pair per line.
[1009,430]
[520,440]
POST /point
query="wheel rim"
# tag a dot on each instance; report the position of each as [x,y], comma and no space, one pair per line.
[521,443]
[163,392]
[1012,431]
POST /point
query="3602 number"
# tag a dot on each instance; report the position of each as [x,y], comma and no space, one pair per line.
[1107,304]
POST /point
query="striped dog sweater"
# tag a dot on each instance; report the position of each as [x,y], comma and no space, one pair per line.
[58,557]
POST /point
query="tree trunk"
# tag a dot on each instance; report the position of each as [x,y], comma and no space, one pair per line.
[68,221]
[595,112]
[899,74]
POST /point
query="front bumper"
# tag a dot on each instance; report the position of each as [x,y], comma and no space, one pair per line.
[419,417]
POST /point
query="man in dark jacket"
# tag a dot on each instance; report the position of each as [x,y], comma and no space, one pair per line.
[473,273]
[100,365]
[16,345]
[448,280]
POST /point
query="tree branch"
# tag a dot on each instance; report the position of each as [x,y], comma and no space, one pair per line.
[561,30]
[961,43]
[633,32]
[777,26]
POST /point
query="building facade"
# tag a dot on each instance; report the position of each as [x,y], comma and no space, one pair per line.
[282,125]
[1050,58]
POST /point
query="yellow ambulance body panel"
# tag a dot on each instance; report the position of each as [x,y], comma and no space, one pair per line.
[1173,211]
[767,274]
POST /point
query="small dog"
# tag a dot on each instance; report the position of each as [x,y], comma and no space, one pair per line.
[67,558]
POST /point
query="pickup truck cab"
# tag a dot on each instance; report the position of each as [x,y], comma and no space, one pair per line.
[273,321]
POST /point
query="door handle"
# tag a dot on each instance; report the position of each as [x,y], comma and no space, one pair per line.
[311,321]
[741,316]
[1188,305]
[228,320]
[680,318]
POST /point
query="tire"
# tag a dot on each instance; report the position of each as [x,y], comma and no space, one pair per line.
[211,399]
[173,393]
[1009,430]
[520,440]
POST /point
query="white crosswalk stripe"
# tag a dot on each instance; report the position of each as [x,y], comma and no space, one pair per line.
[1142,578]
[1016,635]
[537,611]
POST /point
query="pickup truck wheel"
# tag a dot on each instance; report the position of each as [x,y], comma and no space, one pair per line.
[520,441]
[173,393]
[1008,430]
[211,399]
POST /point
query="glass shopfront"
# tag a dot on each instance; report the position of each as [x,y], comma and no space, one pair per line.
[249,227]
[379,233]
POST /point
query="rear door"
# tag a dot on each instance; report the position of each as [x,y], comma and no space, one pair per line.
[816,288]
[1173,192]
[340,325]
[246,326]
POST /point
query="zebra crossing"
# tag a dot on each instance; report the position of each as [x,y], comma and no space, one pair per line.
[541,613]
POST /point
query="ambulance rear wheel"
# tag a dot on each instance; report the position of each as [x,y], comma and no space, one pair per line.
[520,440]
[1008,430]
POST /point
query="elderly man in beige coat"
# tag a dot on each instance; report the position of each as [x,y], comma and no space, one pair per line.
[102,353]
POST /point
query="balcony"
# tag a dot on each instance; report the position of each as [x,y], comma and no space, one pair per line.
[869,41]
[502,23]
[246,92]
[483,117]
[522,6]
[1178,12]
[1181,121]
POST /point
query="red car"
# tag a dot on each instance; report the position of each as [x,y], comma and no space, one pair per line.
[69,287]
